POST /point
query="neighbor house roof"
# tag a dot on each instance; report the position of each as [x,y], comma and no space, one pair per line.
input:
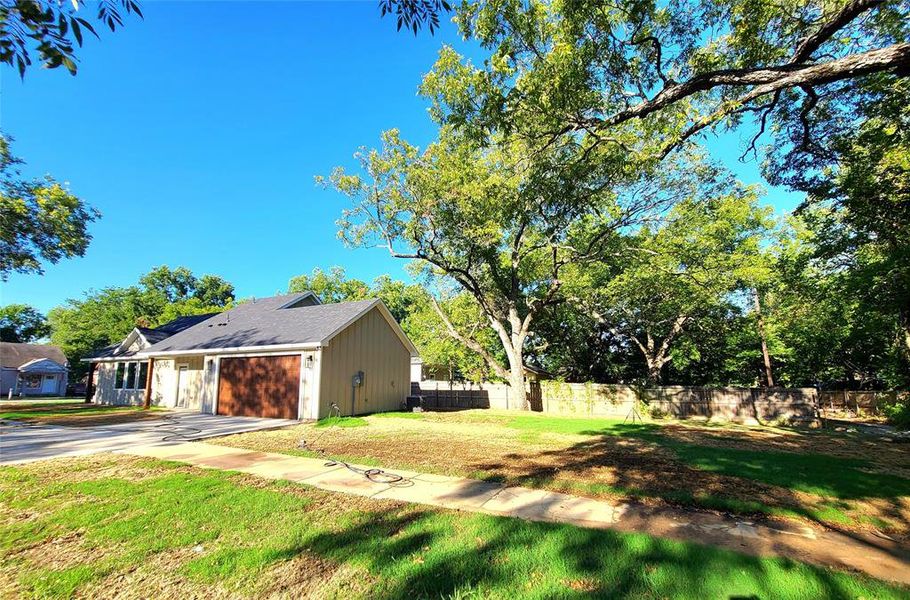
[151,335]
[269,322]
[13,356]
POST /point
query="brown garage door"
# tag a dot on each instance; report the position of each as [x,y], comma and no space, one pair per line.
[260,386]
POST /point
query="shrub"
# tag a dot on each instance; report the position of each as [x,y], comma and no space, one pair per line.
[898,412]
[658,413]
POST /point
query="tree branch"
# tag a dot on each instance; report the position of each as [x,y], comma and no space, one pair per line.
[470,343]
[768,80]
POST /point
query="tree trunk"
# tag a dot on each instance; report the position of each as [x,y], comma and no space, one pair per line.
[654,369]
[766,357]
[517,385]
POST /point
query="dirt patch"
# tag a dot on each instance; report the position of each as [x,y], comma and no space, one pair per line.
[309,576]
[78,414]
[93,420]
[157,576]
[100,466]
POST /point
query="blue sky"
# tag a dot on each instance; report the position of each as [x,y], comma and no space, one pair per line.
[198,130]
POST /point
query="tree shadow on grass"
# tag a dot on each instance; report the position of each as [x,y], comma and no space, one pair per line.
[419,553]
[640,461]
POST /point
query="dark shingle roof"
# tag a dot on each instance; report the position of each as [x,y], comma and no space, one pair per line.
[13,356]
[154,335]
[157,334]
[264,323]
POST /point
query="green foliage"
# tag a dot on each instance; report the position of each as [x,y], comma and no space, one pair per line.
[675,275]
[52,29]
[104,317]
[898,412]
[330,287]
[858,213]
[600,96]
[415,14]
[22,323]
[42,220]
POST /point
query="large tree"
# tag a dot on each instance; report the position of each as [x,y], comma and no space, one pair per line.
[502,222]
[106,316]
[586,71]
[22,323]
[855,167]
[678,272]
[40,219]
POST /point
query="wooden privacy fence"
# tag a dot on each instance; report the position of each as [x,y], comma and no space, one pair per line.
[587,399]
[871,402]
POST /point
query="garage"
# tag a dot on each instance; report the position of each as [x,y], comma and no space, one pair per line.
[259,386]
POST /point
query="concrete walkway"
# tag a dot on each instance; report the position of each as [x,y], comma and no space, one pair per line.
[877,556]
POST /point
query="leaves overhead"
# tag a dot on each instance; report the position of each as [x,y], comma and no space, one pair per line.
[40,219]
[51,30]
[414,14]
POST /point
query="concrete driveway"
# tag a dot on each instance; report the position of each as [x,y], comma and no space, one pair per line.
[21,443]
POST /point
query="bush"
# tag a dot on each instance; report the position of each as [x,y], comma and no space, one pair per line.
[658,413]
[898,412]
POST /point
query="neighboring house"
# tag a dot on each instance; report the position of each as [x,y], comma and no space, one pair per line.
[32,370]
[285,356]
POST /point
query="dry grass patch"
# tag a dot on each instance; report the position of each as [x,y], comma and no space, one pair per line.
[76,414]
[746,470]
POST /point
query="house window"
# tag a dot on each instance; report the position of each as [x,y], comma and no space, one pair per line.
[130,376]
[32,381]
[118,381]
[143,375]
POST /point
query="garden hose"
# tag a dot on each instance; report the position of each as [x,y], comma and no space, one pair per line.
[178,432]
[373,474]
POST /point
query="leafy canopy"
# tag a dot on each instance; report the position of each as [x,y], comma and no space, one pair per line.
[21,323]
[51,29]
[41,219]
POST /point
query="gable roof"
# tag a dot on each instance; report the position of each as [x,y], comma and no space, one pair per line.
[13,355]
[157,334]
[269,322]
[149,336]
[42,365]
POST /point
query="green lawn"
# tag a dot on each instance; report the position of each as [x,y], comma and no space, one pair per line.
[178,529]
[342,422]
[817,474]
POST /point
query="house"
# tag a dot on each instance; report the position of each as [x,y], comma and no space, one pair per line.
[32,370]
[285,357]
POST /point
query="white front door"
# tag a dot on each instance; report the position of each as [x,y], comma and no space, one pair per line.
[182,372]
[48,384]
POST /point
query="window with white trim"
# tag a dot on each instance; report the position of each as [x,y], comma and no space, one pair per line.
[131,375]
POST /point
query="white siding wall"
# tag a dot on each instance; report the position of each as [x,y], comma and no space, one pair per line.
[105,393]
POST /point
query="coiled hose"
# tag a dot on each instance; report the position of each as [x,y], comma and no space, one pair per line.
[373,474]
